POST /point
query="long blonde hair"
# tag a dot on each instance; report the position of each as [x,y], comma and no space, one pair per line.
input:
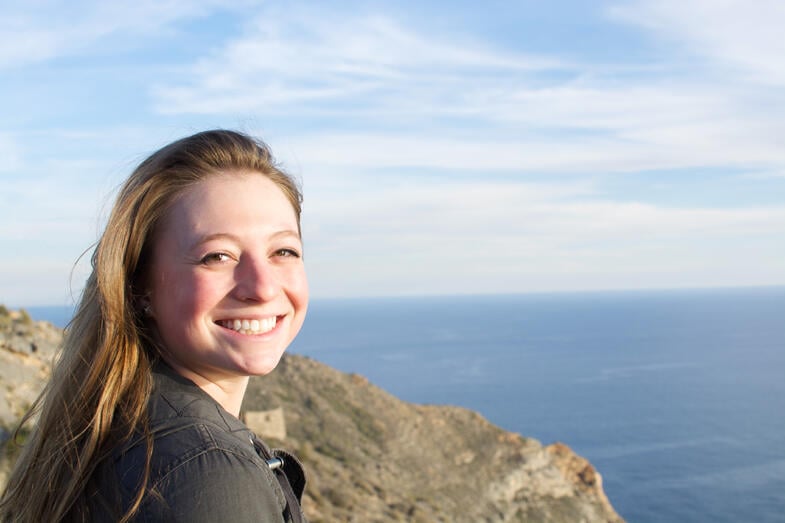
[101,382]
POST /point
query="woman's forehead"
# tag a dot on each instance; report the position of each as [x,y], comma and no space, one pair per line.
[228,203]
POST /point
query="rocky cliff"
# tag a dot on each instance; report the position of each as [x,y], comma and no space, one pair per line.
[26,352]
[369,456]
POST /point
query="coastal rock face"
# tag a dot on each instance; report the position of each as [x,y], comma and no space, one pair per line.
[369,456]
[372,457]
[26,352]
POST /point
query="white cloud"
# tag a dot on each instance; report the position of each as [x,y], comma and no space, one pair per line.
[665,147]
[41,280]
[355,99]
[516,237]
[745,35]
[459,101]
[32,32]
[10,152]
[295,56]
[500,208]
[765,175]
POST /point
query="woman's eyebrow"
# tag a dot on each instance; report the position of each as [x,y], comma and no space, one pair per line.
[286,232]
[214,236]
[233,237]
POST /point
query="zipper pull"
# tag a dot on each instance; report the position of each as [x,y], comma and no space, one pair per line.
[274,463]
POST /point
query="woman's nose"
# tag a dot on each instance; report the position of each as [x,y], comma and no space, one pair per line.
[256,280]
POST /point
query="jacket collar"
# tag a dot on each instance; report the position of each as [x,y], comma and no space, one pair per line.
[175,396]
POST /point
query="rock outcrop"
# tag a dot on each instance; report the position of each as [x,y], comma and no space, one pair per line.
[369,456]
[26,351]
[372,457]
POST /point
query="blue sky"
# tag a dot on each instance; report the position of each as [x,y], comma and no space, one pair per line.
[443,147]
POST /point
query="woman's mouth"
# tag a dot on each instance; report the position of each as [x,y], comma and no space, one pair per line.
[246,326]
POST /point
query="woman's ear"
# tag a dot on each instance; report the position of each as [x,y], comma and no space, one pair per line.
[147,308]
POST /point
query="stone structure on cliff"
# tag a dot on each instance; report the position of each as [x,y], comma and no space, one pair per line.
[266,423]
[369,456]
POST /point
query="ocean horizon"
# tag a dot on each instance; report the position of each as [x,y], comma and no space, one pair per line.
[676,397]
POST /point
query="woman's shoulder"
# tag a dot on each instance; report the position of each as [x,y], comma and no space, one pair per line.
[204,466]
[185,422]
[212,480]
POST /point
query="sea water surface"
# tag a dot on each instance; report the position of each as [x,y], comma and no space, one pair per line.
[676,397]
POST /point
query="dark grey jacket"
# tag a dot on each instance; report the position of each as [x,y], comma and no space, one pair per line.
[206,464]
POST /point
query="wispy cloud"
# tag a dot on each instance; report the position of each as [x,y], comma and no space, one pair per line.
[435,157]
[731,33]
[292,56]
[500,236]
[10,152]
[523,111]
[672,147]
[38,31]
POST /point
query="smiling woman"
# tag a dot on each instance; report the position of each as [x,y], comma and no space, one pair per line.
[227,288]
[197,284]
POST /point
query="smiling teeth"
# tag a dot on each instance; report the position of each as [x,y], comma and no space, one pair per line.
[250,326]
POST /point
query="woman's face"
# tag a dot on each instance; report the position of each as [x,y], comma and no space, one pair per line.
[227,285]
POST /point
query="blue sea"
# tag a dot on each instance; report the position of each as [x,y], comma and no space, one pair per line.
[676,397]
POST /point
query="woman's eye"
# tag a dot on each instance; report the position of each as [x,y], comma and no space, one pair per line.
[287,253]
[215,257]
